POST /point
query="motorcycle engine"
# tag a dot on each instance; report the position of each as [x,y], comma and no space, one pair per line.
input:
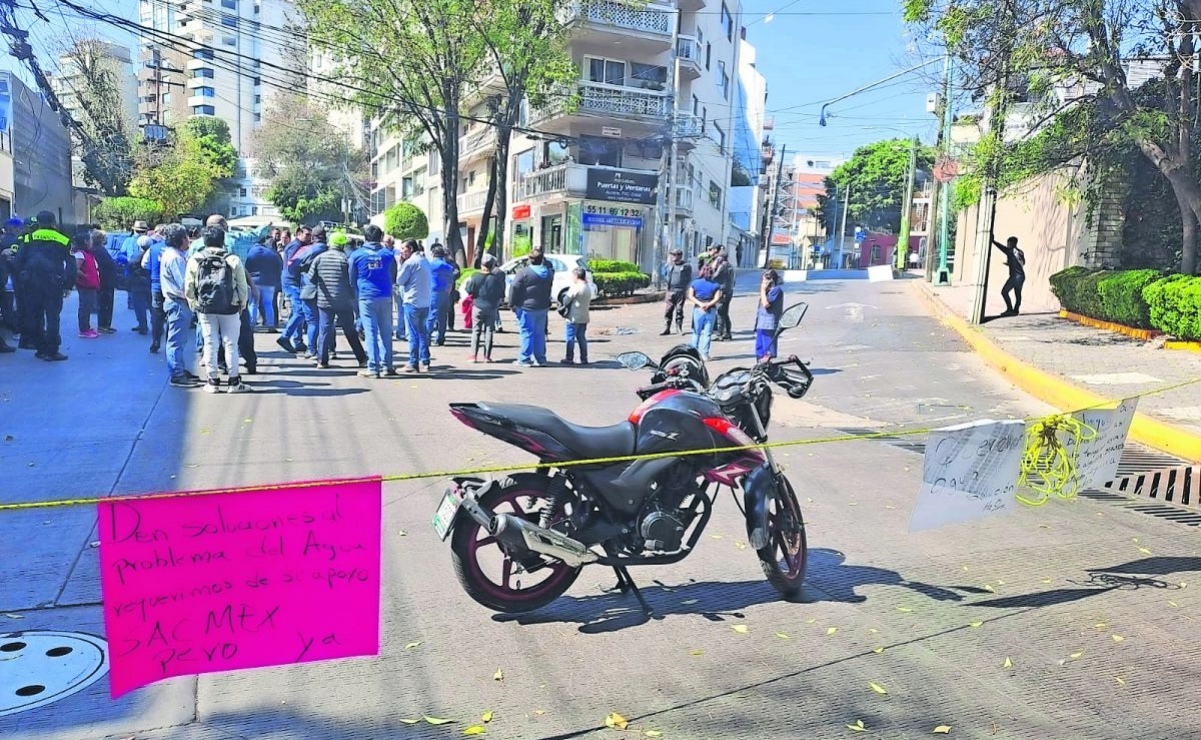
[663,521]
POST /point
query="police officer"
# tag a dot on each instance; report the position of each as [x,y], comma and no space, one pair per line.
[46,270]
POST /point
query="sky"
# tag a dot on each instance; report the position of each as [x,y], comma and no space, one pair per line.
[810,51]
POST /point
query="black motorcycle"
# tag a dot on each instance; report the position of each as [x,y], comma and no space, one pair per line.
[639,492]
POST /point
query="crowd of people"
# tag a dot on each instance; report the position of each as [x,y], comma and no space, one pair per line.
[192,289]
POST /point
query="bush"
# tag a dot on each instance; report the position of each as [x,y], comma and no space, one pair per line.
[118,214]
[466,273]
[613,284]
[406,221]
[1106,295]
[612,266]
[1175,305]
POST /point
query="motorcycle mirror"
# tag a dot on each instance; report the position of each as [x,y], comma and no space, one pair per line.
[634,360]
[793,315]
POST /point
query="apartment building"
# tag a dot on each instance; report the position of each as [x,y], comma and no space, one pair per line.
[40,149]
[747,181]
[210,62]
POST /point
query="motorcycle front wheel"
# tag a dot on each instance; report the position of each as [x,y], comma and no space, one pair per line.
[491,572]
[786,554]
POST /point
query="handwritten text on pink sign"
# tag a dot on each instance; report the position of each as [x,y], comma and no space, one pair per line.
[240,579]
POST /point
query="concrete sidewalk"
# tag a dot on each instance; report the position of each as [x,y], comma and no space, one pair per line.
[1094,361]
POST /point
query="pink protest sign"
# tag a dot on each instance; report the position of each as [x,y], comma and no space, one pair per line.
[240,579]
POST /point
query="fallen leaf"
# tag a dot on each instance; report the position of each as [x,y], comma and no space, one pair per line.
[717,536]
[877,687]
[412,645]
[741,629]
[616,721]
[831,630]
[499,675]
[1117,638]
[475,730]
[873,630]
[904,609]
[1119,680]
[1144,551]
[783,636]
[247,420]
[1172,603]
[878,650]
[539,712]
[653,733]
[1000,583]
[1184,584]
[975,624]
[690,602]
[1046,580]
[1076,656]
[740,545]
[1134,540]
[206,430]
[487,716]
[941,730]
[989,589]
[965,568]
[1007,664]
[696,652]
[436,720]
[857,727]
[14,616]
[1100,625]
[1044,526]
[403,533]
[810,621]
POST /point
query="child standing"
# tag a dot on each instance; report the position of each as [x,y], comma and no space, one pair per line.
[578,300]
[771,306]
[87,282]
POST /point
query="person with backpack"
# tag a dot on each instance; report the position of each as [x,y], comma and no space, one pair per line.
[216,288]
[486,290]
[329,274]
[87,282]
[295,330]
[1015,259]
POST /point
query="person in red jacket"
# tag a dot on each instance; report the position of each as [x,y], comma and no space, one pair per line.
[87,282]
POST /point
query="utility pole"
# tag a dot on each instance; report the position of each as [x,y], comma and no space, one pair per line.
[770,226]
[944,191]
[902,255]
[842,234]
[666,206]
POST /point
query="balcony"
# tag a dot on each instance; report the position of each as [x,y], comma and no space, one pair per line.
[690,56]
[608,101]
[685,197]
[689,126]
[476,145]
[472,203]
[569,179]
[692,5]
[195,100]
[194,64]
[608,21]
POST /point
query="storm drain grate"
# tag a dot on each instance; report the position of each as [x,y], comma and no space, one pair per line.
[1178,485]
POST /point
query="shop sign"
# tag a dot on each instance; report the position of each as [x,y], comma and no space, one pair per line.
[624,187]
[521,212]
[600,219]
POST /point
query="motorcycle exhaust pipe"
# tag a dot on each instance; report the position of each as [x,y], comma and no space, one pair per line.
[522,534]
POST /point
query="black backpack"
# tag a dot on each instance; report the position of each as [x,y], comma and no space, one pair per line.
[215,285]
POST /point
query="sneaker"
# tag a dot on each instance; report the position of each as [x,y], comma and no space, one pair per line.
[107,330]
[536,363]
[212,386]
[310,356]
[300,348]
[322,365]
[585,362]
[524,363]
[154,348]
[425,368]
[665,332]
[87,334]
[191,376]
[567,361]
[390,372]
[368,374]
[6,350]
[142,330]
[55,357]
[237,386]
[182,381]
[409,370]
[362,363]
[40,355]
[488,360]
[252,369]
[286,344]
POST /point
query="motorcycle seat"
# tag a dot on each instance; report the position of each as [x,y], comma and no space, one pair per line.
[616,440]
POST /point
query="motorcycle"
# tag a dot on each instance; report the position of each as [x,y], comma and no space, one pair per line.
[638,492]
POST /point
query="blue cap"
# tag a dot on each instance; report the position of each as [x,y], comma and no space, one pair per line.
[14,221]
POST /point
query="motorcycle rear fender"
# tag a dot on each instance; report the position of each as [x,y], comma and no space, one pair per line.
[758,489]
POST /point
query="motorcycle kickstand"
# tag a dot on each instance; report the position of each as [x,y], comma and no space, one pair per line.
[626,583]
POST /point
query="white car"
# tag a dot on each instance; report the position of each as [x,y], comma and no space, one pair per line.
[562,264]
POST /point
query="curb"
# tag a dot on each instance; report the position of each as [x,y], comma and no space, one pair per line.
[1182,345]
[1145,335]
[629,300]
[1060,393]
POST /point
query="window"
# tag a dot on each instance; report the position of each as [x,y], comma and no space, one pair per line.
[203,72]
[241,192]
[708,54]
[704,118]
[229,40]
[256,81]
[258,117]
[607,71]
[715,195]
[523,163]
[202,54]
[206,92]
[229,21]
[648,76]
[554,153]
[700,37]
[231,4]
[600,150]
[696,106]
[721,138]
[257,8]
[406,188]
[254,210]
[723,80]
[203,110]
[727,22]
[435,162]
[258,99]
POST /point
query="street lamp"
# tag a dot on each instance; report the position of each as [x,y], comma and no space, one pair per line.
[821,120]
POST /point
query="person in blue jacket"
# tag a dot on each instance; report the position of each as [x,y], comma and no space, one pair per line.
[442,282]
[294,331]
[266,267]
[372,275]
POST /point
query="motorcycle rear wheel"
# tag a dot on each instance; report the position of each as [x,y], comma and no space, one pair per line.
[523,495]
[786,555]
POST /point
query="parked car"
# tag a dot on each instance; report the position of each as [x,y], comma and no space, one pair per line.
[562,264]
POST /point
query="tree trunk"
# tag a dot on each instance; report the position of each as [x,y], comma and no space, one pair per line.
[502,192]
[481,239]
[1188,196]
[450,194]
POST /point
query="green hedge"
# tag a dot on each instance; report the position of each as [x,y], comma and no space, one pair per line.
[466,273]
[614,284]
[1145,299]
[612,266]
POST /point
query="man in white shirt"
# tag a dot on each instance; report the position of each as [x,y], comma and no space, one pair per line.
[172,270]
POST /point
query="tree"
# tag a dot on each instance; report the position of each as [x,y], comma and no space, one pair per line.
[406,221]
[410,61]
[876,175]
[215,141]
[179,176]
[103,138]
[1055,57]
[311,165]
[526,48]
[117,213]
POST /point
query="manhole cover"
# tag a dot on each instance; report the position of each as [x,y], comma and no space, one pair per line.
[40,667]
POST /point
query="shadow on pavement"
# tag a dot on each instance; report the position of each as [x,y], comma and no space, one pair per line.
[299,389]
[1128,576]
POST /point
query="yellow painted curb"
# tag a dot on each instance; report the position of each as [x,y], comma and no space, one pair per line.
[1186,346]
[1060,393]
[1130,331]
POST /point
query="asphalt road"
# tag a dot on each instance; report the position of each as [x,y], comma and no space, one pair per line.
[1076,620]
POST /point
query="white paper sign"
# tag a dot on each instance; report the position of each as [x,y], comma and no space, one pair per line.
[1097,459]
[969,472]
[878,273]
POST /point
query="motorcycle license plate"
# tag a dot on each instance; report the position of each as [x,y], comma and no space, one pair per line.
[445,515]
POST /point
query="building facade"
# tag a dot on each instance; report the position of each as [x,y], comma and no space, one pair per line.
[41,153]
[220,58]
